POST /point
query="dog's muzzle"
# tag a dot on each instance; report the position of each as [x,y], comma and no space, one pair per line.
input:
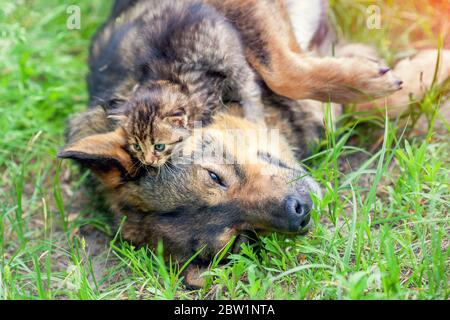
[298,212]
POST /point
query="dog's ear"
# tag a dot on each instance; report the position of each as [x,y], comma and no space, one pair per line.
[104,154]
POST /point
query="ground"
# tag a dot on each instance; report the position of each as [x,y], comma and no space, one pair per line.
[382,227]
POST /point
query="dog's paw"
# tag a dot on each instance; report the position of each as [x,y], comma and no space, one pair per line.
[418,74]
[370,80]
[193,276]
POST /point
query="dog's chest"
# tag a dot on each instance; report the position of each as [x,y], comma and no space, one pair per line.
[306,17]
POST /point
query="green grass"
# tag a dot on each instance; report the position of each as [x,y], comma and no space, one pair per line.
[382,227]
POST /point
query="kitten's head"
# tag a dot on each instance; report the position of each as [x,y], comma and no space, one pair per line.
[155,121]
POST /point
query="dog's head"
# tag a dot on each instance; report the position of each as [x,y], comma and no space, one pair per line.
[226,179]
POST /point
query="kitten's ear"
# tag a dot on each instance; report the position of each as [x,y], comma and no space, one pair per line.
[118,117]
[104,154]
[178,118]
[116,109]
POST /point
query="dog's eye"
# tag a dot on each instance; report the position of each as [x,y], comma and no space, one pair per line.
[216,178]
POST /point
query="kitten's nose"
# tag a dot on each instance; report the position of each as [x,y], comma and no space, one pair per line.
[150,161]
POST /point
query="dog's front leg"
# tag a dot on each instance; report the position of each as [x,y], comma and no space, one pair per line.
[329,79]
[272,50]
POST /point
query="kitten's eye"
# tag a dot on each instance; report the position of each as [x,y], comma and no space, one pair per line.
[137,147]
[160,147]
[216,179]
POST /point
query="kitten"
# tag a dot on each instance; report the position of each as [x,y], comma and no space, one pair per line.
[156,119]
[188,45]
[182,55]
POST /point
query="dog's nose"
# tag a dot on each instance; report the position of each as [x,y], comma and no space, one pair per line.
[298,211]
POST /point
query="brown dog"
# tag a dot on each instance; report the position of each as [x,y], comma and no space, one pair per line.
[201,206]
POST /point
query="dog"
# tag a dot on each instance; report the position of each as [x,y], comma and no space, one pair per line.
[197,208]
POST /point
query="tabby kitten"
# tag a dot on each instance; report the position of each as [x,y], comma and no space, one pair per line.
[156,120]
[188,62]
